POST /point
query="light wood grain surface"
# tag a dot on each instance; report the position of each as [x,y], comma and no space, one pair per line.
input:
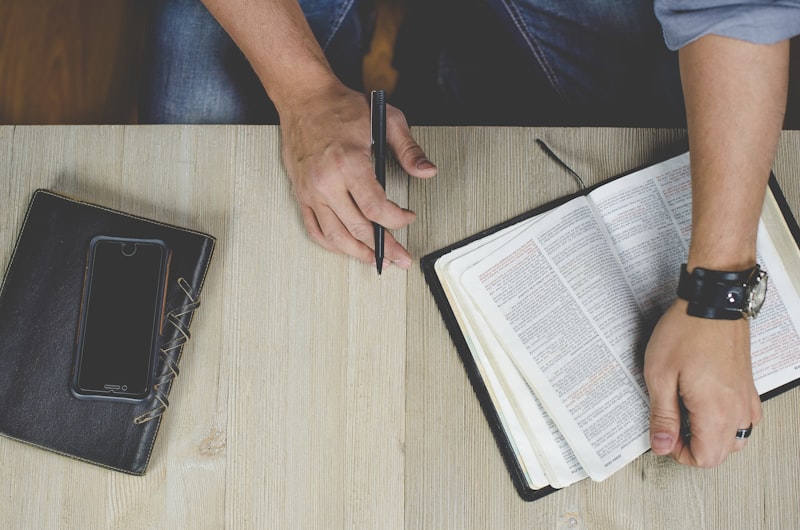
[314,394]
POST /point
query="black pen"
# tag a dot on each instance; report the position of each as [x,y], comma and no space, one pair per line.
[378,118]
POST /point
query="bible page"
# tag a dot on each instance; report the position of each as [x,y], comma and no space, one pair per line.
[556,299]
[648,217]
[552,451]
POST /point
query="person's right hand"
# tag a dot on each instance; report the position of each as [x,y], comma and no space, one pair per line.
[327,155]
[705,364]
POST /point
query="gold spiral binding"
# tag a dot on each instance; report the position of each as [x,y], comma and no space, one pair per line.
[169,353]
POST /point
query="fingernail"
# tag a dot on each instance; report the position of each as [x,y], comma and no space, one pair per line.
[403,263]
[425,164]
[661,443]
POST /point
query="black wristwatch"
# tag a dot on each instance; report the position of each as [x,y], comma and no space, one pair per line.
[723,295]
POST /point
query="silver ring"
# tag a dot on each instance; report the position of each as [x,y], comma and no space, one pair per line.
[741,434]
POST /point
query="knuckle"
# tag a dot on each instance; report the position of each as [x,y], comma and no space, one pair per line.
[335,238]
[312,229]
[408,147]
[317,236]
[372,209]
[361,231]
[663,419]
[660,414]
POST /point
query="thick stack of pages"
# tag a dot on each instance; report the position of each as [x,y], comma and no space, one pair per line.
[551,313]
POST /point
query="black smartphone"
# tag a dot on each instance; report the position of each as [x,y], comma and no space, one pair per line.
[121,317]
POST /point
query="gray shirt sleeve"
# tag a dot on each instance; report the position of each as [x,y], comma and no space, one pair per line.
[758,21]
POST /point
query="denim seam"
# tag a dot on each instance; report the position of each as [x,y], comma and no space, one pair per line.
[533,45]
[337,22]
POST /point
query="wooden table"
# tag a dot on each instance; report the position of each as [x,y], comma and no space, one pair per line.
[314,394]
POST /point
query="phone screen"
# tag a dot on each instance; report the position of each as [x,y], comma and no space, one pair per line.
[121,316]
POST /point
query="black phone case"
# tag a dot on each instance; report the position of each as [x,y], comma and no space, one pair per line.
[39,312]
[122,316]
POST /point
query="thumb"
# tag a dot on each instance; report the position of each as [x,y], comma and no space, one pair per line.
[405,149]
[665,418]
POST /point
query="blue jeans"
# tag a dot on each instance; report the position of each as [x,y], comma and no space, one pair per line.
[195,73]
[606,59]
[572,62]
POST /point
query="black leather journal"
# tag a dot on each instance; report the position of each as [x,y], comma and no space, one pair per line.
[40,311]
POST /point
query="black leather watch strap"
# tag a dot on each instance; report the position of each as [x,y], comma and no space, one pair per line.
[711,294]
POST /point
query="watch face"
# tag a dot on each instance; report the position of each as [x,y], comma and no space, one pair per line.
[756,293]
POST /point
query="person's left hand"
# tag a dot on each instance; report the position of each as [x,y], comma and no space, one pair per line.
[706,364]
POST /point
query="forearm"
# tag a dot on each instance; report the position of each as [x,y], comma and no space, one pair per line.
[735,95]
[275,37]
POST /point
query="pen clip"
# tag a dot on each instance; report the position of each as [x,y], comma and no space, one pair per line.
[372,120]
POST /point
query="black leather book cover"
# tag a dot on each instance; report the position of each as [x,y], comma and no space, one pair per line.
[40,303]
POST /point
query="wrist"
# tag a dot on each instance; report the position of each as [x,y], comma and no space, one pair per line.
[296,99]
[728,251]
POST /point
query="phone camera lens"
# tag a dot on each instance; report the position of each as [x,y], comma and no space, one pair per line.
[128,249]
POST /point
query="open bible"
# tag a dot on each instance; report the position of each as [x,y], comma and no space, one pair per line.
[551,312]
